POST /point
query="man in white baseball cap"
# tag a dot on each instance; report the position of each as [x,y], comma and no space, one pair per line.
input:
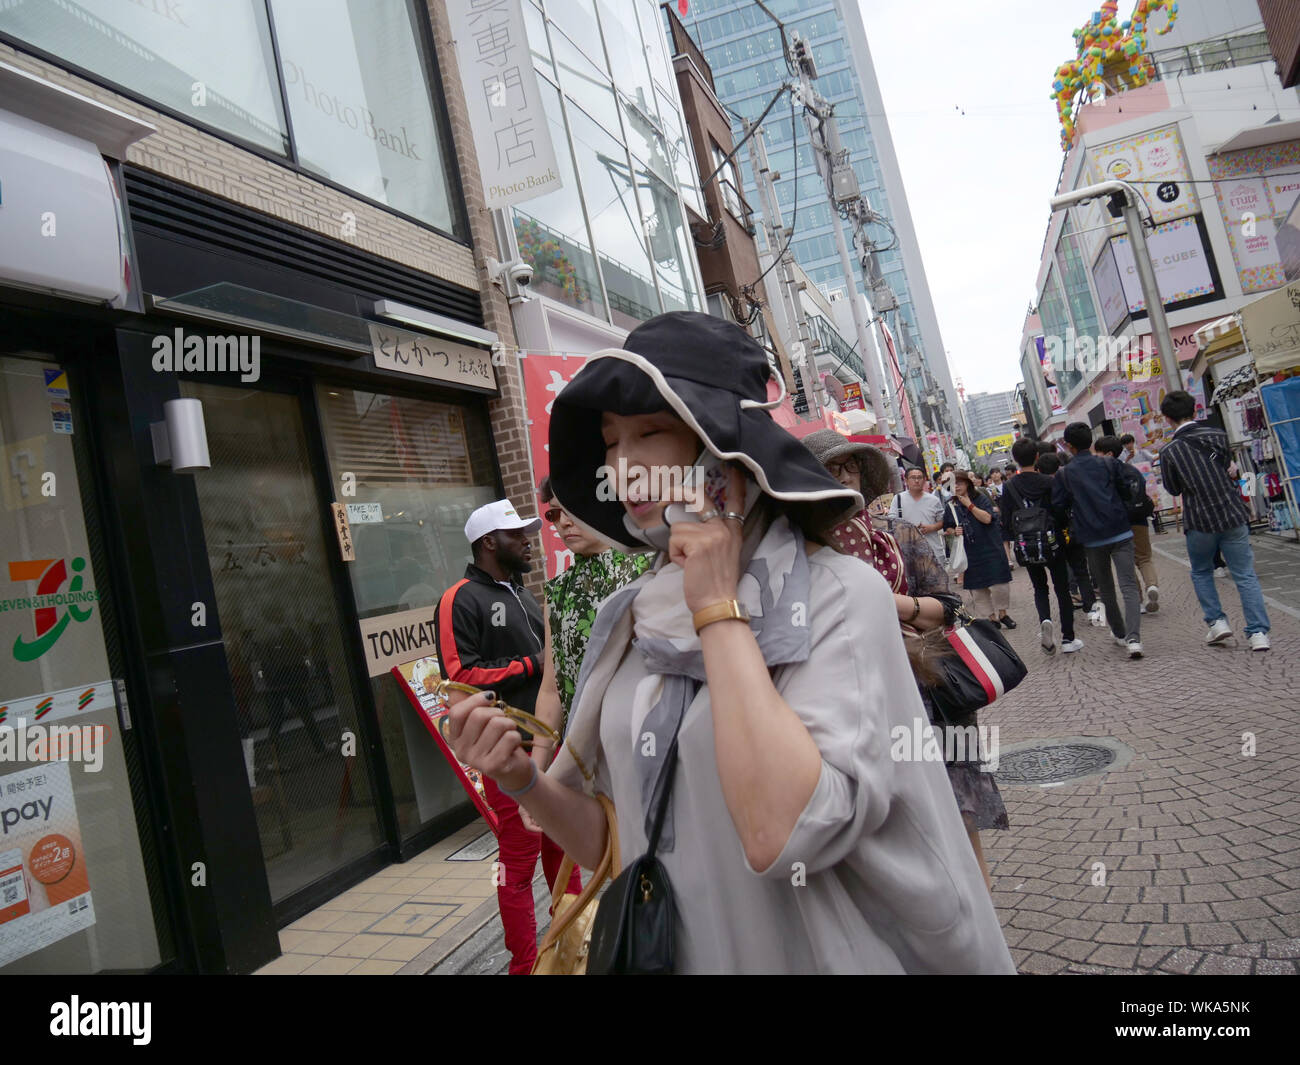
[490,633]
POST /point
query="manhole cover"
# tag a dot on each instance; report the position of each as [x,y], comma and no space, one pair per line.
[1053,762]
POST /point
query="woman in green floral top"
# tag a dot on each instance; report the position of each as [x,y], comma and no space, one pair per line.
[572,597]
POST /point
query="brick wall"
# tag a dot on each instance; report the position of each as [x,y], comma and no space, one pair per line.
[189,155]
[508,417]
[1282,20]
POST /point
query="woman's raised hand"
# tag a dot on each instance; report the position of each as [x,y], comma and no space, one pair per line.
[485,739]
[709,551]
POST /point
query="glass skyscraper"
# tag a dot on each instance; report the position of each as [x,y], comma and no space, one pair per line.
[743,46]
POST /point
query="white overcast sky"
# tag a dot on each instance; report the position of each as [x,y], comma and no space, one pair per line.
[977,184]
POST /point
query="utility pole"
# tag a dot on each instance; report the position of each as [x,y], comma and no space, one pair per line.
[1122,199]
[842,191]
[777,236]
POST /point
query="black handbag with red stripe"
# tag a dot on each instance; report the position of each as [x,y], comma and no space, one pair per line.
[979,668]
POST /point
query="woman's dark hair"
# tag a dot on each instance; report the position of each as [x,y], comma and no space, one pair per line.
[1126,439]
[1179,406]
[1049,464]
[1108,445]
[544,489]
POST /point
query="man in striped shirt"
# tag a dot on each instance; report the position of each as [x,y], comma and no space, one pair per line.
[1194,464]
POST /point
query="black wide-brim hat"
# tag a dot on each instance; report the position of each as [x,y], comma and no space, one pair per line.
[711,374]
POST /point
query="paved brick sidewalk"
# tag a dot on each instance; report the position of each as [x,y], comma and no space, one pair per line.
[1201,844]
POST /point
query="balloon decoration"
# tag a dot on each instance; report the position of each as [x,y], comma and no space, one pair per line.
[1108,47]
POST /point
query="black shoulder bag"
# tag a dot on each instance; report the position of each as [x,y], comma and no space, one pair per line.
[633,929]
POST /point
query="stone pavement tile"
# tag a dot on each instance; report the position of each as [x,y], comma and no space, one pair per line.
[1069,908]
[1255,887]
[1223,965]
[1120,957]
[331,966]
[1039,941]
[291,964]
[1188,912]
[1212,934]
[1284,948]
[1041,964]
[1211,874]
[1285,902]
[1288,923]
[1162,893]
[1269,967]
[375,967]
[1033,920]
[1207,893]
[1150,957]
[1119,933]
[1169,876]
[1145,913]
[1182,961]
[361,946]
[1244,909]
[1074,949]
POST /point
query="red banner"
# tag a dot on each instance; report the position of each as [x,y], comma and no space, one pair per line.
[544,376]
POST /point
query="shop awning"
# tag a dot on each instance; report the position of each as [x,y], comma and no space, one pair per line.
[1216,340]
[1271,327]
[1254,136]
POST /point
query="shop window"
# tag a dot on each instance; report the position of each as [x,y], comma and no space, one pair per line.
[583,82]
[535,27]
[209,61]
[679,144]
[360,99]
[78,885]
[284,637]
[669,242]
[615,219]
[577,18]
[551,231]
[420,469]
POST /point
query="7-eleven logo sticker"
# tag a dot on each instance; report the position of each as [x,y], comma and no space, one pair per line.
[53,609]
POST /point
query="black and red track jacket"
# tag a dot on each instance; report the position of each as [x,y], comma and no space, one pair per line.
[491,637]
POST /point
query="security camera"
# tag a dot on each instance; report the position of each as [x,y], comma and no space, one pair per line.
[513,278]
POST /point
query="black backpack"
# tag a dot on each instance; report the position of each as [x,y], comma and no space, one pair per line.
[1133,493]
[1034,536]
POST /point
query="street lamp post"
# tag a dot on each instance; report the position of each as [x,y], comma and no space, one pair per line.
[1128,198]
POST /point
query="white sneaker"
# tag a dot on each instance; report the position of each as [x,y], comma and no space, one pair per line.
[1259,641]
[1221,572]
[1070,646]
[1098,615]
[1142,608]
[1119,640]
[1219,632]
[1153,599]
[1046,636]
[1134,649]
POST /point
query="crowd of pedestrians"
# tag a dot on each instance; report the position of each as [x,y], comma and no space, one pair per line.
[728,669]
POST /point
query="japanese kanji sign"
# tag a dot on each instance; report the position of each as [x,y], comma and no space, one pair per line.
[515,154]
[429,356]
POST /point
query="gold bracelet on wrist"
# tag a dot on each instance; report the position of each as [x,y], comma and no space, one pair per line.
[726,610]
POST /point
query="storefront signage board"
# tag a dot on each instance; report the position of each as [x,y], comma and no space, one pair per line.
[511,134]
[391,639]
[436,358]
[1271,326]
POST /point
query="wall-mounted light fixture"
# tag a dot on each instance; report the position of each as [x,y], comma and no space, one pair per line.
[180,440]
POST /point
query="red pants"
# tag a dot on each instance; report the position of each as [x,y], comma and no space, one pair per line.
[519,849]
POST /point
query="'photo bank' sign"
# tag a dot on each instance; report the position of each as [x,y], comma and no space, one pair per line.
[511,136]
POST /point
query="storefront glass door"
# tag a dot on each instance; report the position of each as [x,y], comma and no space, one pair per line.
[284,637]
[79,879]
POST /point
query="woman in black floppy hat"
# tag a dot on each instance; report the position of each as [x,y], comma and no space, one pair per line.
[793,840]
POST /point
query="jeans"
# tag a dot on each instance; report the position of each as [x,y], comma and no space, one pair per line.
[1077,557]
[1235,545]
[519,849]
[1060,574]
[1099,563]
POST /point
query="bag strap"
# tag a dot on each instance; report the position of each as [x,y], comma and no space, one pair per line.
[670,771]
[610,861]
